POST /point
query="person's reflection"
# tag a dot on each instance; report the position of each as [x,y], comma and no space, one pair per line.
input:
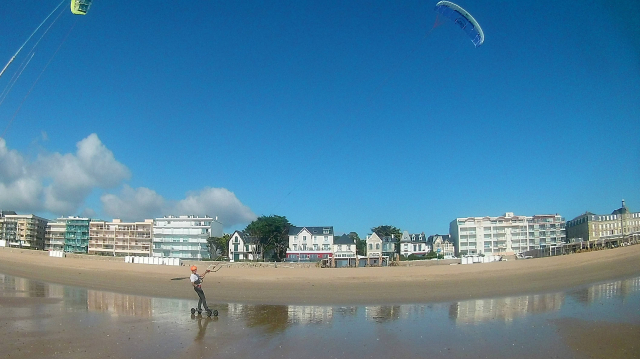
[202,325]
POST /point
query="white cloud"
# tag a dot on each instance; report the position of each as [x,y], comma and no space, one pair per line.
[142,203]
[134,204]
[57,183]
[216,202]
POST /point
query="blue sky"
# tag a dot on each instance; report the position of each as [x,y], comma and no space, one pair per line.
[350,114]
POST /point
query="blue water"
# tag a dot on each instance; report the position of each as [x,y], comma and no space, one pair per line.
[47,320]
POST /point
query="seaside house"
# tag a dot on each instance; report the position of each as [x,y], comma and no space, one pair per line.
[415,244]
[243,247]
[442,245]
[344,251]
[379,250]
[310,243]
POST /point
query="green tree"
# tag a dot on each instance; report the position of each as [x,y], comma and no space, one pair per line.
[387,231]
[272,233]
[361,244]
[218,246]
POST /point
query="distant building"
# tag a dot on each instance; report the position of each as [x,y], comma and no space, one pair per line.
[593,227]
[22,230]
[415,244]
[184,236]
[7,229]
[380,249]
[344,251]
[506,234]
[70,234]
[54,237]
[242,247]
[442,245]
[310,243]
[117,238]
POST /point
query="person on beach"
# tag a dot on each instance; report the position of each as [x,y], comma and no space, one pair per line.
[196,281]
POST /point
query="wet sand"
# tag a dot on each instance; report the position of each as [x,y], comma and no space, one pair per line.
[39,320]
[330,286]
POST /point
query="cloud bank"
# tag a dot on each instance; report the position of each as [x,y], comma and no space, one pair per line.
[60,184]
[131,204]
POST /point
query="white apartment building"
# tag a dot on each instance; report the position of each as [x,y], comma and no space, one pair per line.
[117,238]
[508,234]
[54,238]
[184,236]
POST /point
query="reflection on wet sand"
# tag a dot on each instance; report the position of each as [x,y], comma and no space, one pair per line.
[383,313]
[119,304]
[275,318]
[36,315]
[598,292]
[504,309]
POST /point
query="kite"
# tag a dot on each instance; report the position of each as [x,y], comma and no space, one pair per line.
[463,19]
[80,7]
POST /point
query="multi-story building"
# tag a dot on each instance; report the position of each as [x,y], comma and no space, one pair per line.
[344,251]
[506,234]
[310,243]
[73,232]
[54,237]
[415,244]
[23,230]
[442,245]
[184,236]
[117,238]
[621,223]
[7,229]
[380,249]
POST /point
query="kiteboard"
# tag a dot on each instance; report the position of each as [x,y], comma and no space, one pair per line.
[209,313]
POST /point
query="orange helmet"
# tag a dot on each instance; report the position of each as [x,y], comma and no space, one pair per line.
[194,268]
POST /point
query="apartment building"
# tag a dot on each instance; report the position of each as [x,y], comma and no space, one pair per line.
[70,234]
[55,234]
[22,230]
[117,238]
[506,234]
[184,236]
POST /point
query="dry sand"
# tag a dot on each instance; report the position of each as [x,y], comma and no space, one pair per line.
[330,286]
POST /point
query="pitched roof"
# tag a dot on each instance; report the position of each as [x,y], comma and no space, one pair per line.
[344,239]
[313,230]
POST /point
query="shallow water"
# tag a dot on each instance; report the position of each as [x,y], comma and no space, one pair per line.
[47,320]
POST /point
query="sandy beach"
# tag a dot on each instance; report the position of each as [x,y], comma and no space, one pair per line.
[329,286]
